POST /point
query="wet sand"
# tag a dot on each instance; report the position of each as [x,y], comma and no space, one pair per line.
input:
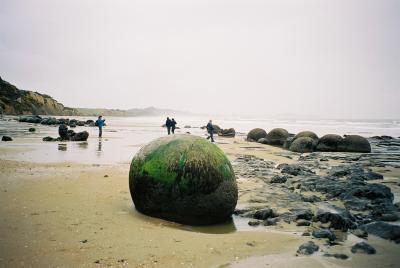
[73,215]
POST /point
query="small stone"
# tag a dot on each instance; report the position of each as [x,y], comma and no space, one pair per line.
[324,233]
[336,255]
[360,233]
[363,247]
[308,248]
[6,138]
[254,223]
[302,222]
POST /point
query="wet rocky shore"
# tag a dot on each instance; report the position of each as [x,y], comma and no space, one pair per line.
[326,195]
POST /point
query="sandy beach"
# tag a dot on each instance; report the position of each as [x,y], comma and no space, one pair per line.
[67,214]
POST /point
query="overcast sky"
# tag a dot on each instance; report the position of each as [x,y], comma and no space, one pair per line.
[325,58]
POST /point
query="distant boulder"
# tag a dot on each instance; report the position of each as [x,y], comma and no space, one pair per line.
[6,138]
[277,136]
[355,143]
[256,134]
[230,132]
[308,134]
[32,129]
[303,145]
[329,143]
[80,136]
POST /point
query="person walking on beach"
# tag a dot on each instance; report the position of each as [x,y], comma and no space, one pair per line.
[210,130]
[100,123]
[168,124]
[173,125]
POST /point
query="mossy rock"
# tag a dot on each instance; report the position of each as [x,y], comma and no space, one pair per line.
[356,144]
[277,136]
[230,132]
[183,178]
[256,134]
[329,143]
[303,145]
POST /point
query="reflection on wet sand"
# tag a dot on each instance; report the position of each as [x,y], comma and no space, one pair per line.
[62,146]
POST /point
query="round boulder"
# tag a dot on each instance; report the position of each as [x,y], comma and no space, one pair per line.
[329,143]
[308,134]
[277,136]
[303,145]
[32,129]
[6,138]
[356,144]
[256,134]
[230,132]
[183,178]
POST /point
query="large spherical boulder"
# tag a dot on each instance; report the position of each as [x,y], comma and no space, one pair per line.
[256,134]
[277,136]
[303,145]
[308,134]
[355,143]
[329,143]
[183,178]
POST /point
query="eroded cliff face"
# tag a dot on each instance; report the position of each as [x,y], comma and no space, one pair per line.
[14,101]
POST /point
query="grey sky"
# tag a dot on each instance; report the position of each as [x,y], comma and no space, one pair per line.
[325,58]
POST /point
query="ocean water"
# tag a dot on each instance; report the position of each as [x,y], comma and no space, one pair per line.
[123,136]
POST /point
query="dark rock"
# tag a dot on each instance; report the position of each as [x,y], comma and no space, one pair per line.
[340,221]
[34,119]
[256,134]
[279,179]
[307,134]
[304,214]
[63,132]
[264,214]
[183,178]
[336,256]
[6,138]
[363,247]
[270,221]
[277,136]
[254,222]
[295,169]
[48,138]
[263,141]
[303,145]
[355,143]
[80,136]
[303,223]
[324,233]
[329,143]
[32,129]
[360,233]
[310,198]
[308,248]
[383,230]
[227,132]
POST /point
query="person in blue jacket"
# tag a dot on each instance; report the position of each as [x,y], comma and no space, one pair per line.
[173,125]
[100,123]
[210,130]
[168,124]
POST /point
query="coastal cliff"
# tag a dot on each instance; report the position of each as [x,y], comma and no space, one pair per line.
[14,101]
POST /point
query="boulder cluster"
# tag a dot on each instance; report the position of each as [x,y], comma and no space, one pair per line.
[307,141]
[66,134]
[36,119]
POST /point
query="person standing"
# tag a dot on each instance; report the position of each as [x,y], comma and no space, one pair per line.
[173,125]
[100,123]
[210,130]
[168,124]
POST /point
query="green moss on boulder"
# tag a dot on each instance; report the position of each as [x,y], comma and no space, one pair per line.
[183,178]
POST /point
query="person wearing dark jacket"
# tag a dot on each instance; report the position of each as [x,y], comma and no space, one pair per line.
[173,125]
[210,130]
[168,124]
[100,124]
